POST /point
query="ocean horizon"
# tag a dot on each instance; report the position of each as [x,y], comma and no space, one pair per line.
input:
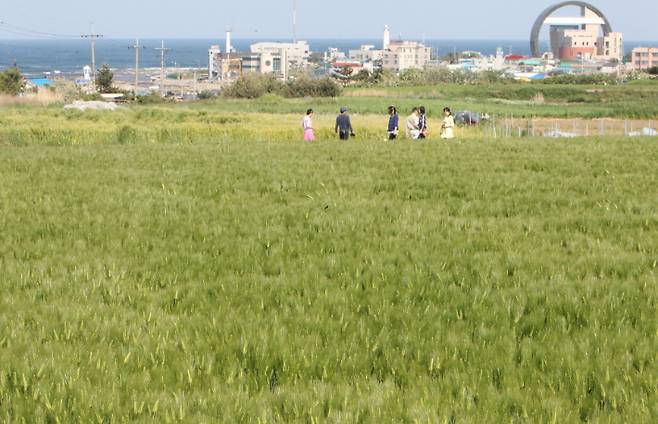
[35,57]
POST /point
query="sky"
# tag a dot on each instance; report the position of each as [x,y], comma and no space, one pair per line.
[432,19]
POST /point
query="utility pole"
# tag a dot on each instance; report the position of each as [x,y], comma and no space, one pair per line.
[294,21]
[196,81]
[136,47]
[179,78]
[162,51]
[93,37]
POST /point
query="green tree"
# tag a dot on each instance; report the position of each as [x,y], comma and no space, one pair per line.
[305,86]
[653,70]
[105,79]
[252,86]
[346,71]
[11,81]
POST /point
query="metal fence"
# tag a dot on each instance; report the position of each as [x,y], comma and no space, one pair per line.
[510,127]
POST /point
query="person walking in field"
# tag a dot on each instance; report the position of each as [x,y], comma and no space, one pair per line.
[307,124]
[393,123]
[423,131]
[447,128]
[412,126]
[344,125]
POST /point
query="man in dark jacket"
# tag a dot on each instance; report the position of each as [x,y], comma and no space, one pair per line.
[344,125]
[393,123]
[422,123]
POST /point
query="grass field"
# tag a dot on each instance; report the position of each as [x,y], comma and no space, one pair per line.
[196,278]
[273,118]
[227,121]
[637,100]
[177,124]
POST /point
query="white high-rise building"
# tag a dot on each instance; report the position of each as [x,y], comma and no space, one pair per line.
[214,53]
[387,38]
[229,46]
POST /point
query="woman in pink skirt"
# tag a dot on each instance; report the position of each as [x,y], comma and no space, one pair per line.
[309,134]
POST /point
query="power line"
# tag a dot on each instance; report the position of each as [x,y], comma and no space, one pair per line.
[25,34]
[18,30]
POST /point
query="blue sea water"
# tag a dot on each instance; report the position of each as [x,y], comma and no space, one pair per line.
[35,57]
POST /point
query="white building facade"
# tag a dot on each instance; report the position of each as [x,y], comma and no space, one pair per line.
[297,53]
[644,58]
[366,54]
[214,56]
[403,55]
[265,58]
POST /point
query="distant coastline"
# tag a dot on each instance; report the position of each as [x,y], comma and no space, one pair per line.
[39,56]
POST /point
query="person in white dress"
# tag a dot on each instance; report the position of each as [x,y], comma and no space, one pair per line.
[447,128]
[412,124]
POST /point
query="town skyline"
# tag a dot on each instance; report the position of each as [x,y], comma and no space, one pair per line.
[365,20]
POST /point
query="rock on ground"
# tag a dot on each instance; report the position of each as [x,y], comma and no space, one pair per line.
[92,105]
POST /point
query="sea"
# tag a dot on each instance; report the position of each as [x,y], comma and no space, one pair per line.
[39,57]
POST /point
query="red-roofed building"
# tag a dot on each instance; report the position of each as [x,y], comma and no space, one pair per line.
[354,65]
[514,58]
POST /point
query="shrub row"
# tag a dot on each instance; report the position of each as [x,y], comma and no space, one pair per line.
[585,79]
[435,76]
[432,76]
[253,86]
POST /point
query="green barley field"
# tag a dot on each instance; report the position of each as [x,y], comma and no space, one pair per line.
[177,264]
